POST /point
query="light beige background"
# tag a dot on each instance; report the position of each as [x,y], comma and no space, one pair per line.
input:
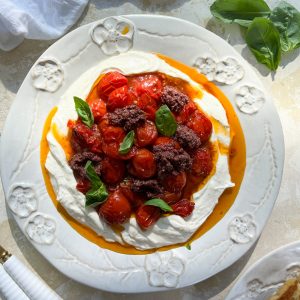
[284,224]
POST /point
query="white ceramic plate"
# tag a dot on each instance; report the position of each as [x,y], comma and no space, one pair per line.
[268,274]
[41,90]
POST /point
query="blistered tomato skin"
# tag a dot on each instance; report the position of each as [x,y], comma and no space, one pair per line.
[143,164]
[174,183]
[201,125]
[148,105]
[83,185]
[98,108]
[109,82]
[119,98]
[146,134]
[147,216]
[184,116]
[202,162]
[147,84]
[116,209]
[183,208]
[112,170]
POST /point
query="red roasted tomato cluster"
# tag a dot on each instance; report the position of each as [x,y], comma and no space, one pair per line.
[157,166]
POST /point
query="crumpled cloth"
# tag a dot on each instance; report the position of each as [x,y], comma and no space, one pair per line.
[36,19]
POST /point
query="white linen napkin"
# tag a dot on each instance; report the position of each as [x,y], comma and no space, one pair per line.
[36,19]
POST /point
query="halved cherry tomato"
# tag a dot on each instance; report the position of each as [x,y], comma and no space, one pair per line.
[135,200]
[186,112]
[83,185]
[202,162]
[146,134]
[201,125]
[183,207]
[86,137]
[147,216]
[143,164]
[118,98]
[147,84]
[98,108]
[112,133]
[112,170]
[109,82]
[148,105]
[163,140]
[174,183]
[116,209]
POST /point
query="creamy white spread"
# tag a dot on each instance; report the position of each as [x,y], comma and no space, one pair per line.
[168,230]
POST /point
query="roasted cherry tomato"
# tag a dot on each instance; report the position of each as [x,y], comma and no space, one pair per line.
[111,149]
[163,140]
[170,198]
[147,84]
[135,200]
[183,207]
[202,162]
[186,113]
[112,170]
[146,134]
[83,185]
[98,108]
[119,98]
[174,183]
[84,137]
[111,133]
[143,164]
[147,216]
[109,82]
[201,125]
[148,105]
[116,209]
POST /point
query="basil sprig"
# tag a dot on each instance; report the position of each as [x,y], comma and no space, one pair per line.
[84,112]
[269,32]
[98,193]
[165,122]
[127,143]
[159,203]
[264,41]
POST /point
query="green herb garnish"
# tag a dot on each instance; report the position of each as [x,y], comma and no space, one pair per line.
[127,143]
[264,41]
[84,112]
[165,122]
[98,193]
[159,203]
[239,11]
[188,246]
[269,32]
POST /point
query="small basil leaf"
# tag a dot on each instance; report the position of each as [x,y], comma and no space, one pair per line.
[127,143]
[286,19]
[159,203]
[92,175]
[165,122]
[239,11]
[96,195]
[84,112]
[263,39]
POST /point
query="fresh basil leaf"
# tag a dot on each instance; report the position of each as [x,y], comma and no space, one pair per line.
[188,246]
[159,203]
[263,39]
[239,11]
[92,175]
[127,143]
[165,122]
[286,19]
[84,112]
[98,193]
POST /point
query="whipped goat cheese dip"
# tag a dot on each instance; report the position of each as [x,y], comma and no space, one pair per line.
[168,230]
